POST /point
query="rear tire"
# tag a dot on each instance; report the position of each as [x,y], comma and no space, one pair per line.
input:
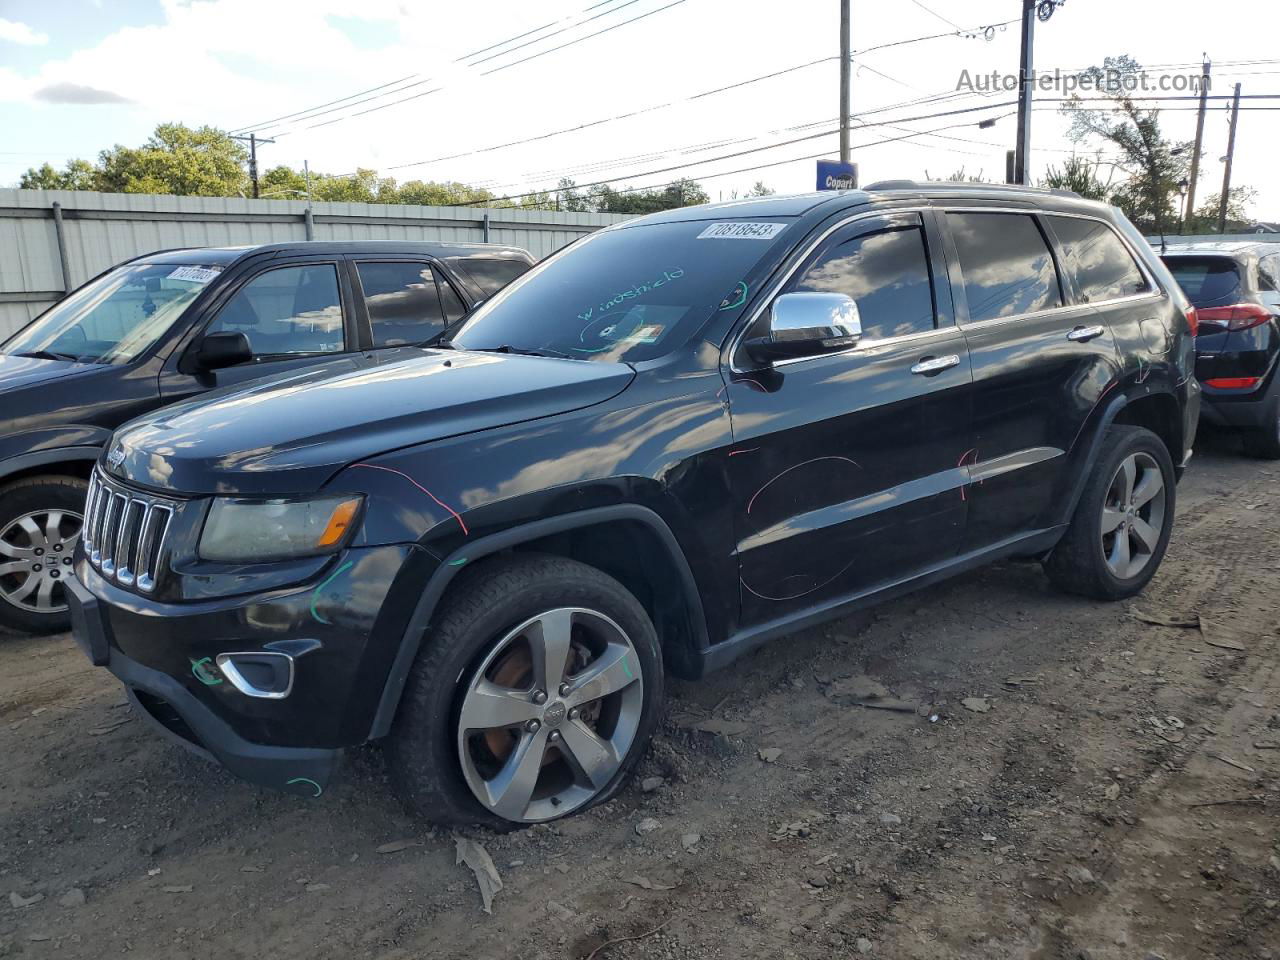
[489,656]
[1120,530]
[40,520]
[1263,442]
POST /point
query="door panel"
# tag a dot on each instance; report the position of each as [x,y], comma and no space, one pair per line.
[295,315]
[1036,376]
[844,471]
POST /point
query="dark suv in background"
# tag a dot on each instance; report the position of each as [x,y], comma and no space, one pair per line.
[1235,287]
[174,324]
[680,438]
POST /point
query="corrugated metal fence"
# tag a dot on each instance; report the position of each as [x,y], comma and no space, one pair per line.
[52,241]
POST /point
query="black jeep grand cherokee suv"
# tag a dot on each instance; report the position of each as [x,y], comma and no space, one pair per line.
[680,438]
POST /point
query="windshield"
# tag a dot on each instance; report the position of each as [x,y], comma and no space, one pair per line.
[1207,281]
[624,295]
[114,318]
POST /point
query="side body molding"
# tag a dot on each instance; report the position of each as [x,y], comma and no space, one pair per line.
[467,554]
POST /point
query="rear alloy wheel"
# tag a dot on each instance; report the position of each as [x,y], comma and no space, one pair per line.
[1121,526]
[40,521]
[1133,516]
[536,691]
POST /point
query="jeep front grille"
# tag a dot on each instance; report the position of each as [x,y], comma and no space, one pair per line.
[124,533]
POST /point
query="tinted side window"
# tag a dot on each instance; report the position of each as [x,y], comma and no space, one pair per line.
[454,308]
[1102,267]
[886,273]
[404,306]
[490,275]
[1006,264]
[287,310]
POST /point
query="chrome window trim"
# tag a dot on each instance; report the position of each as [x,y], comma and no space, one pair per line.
[736,343]
[1155,292]
[865,346]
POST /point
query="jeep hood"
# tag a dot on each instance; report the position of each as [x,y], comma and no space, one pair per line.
[289,435]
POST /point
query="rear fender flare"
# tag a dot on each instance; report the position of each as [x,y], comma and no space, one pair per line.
[1108,416]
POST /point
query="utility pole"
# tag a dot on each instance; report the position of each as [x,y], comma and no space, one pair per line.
[253,141]
[845,67]
[1022,149]
[1195,157]
[1226,173]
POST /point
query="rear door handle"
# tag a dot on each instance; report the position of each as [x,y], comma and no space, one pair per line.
[928,366]
[1082,334]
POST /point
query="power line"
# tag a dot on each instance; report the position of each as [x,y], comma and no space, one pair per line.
[936,14]
[607,164]
[857,53]
[741,153]
[543,53]
[311,112]
[255,126]
[503,53]
[761,166]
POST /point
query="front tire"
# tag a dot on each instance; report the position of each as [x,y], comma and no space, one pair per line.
[534,696]
[1120,530]
[40,520]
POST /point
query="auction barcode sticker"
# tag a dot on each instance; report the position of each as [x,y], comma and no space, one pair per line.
[757,230]
[194,274]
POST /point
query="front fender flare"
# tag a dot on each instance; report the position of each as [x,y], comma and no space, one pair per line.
[450,566]
[40,458]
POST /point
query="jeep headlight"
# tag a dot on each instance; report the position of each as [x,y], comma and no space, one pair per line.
[247,531]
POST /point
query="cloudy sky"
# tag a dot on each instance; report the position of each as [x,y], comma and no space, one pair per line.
[428,90]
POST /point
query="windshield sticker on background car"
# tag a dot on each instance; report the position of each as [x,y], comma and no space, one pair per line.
[195,274]
[742,231]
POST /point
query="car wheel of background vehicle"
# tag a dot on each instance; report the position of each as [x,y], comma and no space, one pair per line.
[533,697]
[40,521]
[1121,527]
[1263,442]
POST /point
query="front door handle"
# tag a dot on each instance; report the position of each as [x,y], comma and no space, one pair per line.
[928,366]
[1082,334]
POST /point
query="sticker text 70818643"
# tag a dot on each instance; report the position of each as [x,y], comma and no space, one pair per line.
[749,230]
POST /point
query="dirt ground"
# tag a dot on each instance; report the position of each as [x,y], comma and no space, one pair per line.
[1075,783]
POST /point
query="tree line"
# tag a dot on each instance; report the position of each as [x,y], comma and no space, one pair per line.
[206,162]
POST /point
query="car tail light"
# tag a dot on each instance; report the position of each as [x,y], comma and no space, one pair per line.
[1233,383]
[1239,316]
[1193,320]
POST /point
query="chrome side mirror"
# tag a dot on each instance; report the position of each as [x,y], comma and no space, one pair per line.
[807,325]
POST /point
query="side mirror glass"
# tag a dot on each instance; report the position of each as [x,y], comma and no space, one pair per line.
[223,349]
[807,325]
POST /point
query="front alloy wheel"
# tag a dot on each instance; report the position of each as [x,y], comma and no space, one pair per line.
[40,521]
[549,715]
[537,687]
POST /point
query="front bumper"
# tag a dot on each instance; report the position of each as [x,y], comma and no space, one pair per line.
[166,657]
[179,715]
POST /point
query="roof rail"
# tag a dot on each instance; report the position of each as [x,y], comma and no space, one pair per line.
[966,185]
